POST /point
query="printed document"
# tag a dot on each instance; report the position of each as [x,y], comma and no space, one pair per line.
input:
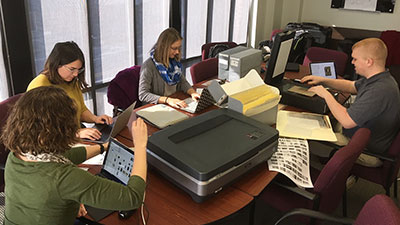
[292,160]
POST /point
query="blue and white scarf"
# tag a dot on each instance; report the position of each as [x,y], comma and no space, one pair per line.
[172,74]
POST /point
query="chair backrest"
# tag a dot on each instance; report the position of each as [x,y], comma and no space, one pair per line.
[331,182]
[392,41]
[379,210]
[393,152]
[315,54]
[123,89]
[5,107]
[205,49]
[204,70]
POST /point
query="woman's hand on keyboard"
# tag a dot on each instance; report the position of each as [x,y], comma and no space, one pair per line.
[195,96]
[177,103]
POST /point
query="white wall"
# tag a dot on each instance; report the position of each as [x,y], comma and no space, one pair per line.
[273,14]
[319,11]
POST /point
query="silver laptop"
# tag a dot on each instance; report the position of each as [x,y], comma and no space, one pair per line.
[111,130]
[323,69]
[204,101]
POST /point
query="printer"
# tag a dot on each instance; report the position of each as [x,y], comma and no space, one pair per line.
[236,62]
[204,154]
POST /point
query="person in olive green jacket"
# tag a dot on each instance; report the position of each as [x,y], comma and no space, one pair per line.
[43,185]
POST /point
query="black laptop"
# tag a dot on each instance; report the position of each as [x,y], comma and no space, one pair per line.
[110,131]
[117,166]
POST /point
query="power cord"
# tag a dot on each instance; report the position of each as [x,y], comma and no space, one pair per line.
[142,214]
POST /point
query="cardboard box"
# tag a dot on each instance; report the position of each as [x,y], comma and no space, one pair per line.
[250,96]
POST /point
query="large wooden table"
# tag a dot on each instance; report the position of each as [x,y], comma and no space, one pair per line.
[167,204]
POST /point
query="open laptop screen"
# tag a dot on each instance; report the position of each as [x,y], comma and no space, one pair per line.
[118,161]
[323,69]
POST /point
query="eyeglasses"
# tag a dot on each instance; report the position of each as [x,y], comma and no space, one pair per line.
[176,48]
[73,70]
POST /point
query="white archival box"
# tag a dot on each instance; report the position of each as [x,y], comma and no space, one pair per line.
[243,96]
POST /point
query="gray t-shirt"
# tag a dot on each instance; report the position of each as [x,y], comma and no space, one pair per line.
[377,107]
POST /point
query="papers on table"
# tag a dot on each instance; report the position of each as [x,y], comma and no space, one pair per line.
[96,160]
[305,125]
[161,115]
[292,160]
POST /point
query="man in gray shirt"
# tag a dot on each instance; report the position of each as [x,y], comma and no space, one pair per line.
[377,104]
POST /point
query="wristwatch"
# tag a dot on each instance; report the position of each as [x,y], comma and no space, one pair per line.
[101,148]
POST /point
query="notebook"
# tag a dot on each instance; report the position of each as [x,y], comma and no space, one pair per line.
[204,101]
[111,130]
[323,69]
[161,115]
[117,166]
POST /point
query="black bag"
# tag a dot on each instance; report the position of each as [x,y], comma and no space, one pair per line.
[214,50]
[307,35]
[300,47]
[320,34]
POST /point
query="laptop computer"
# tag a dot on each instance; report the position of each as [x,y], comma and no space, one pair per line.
[111,130]
[204,101]
[117,166]
[323,69]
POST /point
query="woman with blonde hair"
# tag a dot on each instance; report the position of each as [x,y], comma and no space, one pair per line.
[161,74]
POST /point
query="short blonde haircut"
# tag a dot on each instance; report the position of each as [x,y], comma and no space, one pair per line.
[373,48]
[163,44]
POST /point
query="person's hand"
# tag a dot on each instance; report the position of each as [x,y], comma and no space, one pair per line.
[177,103]
[320,91]
[103,119]
[311,79]
[195,96]
[89,133]
[139,133]
[82,210]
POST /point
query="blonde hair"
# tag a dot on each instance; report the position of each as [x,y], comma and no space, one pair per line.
[373,48]
[163,44]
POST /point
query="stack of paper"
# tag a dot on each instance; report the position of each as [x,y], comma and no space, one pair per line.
[305,125]
[161,115]
[256,97]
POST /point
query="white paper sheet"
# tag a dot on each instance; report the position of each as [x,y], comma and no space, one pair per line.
[96,160]
[366,5]
[292,160]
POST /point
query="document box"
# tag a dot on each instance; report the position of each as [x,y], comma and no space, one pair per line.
[204,154]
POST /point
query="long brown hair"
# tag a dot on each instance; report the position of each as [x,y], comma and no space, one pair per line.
[163,44]
[42,121]
[64,53]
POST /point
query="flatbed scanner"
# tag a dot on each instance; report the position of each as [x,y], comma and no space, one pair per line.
[204,154]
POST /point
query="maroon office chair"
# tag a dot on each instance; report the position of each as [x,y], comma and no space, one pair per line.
[379,210]
[385,175]
[123,89]
[329,184]
[317,54]
[204,70]
[392,41]
[5,107]
[273,33]
[205,49]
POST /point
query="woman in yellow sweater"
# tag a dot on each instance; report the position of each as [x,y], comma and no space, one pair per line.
[65,68]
